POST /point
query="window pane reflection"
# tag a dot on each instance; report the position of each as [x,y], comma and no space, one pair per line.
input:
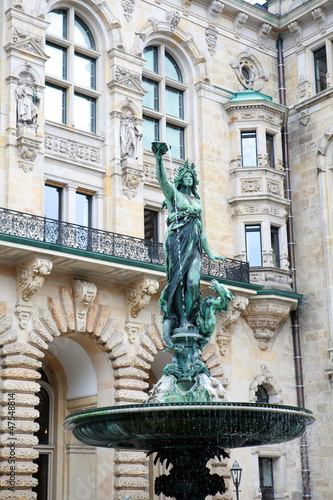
[52,202]
[83,209]
[85,71]
[150,53]
[58,20]
[85,113]
[150,132]
[150,100]
[56,65]
[55,104]
[174,102]
[171,68]
[253,245]
[249,149]
[175,138]
[82,34]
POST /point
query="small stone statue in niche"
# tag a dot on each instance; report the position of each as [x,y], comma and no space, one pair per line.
[129,137]
[27,110]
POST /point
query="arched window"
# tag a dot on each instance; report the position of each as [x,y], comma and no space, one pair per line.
[262,395]
[70,73]
[164,104]
[45,439]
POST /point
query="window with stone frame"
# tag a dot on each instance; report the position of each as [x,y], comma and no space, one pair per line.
[70,72]
[275,246]
[164,109]
[150,225]
[253,245]
[266,478]
[320,63]
[249,148]
[270,150]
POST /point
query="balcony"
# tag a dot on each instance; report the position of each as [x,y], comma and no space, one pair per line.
[22,233]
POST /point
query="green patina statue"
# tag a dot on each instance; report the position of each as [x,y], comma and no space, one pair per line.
[188,321]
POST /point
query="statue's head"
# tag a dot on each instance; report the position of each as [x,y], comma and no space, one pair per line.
[182,177]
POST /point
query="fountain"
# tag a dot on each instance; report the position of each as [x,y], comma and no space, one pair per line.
[184,421]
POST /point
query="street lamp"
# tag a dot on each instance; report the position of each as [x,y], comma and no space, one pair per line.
[236,474]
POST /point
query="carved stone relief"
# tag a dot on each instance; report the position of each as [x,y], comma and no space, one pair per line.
[128,6]
[223,336]
[19,35]
[30,277]
[72,149]
[129,136]
[249,71]
[27,102]
[264,318]
[273,188]
[304,87]
[132,177]
[305,117]
[250,186]
[84,296]
[239,22]
[215,9]
[173,18]
[139,295]
[211,39]
[133,329]
[297,32]
[263,34]
[319,15]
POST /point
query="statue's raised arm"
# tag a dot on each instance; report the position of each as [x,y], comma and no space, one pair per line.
[159,149]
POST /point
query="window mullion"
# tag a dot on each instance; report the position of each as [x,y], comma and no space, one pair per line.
[70,24]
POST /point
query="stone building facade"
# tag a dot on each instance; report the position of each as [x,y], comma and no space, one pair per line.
[244,91]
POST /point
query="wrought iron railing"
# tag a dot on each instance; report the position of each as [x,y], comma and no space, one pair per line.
[65,234]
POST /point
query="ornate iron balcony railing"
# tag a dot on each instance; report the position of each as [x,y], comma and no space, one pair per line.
[65,234]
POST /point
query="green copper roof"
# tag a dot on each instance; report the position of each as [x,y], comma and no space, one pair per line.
[249,95]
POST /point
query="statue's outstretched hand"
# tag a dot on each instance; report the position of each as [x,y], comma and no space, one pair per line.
[159,148]
[217,257]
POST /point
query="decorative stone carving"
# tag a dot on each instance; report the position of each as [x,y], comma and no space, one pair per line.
[132,177]
[211,39]
[249,71]
[215,9]
[239,22]
[133,329]
[297,32]
[139,295]
[128,6]
[263,34]
[129,136]
[123,72]
[264,317]
[27,150]
[273,188]
[84,296]
[27,102]
[304,87]
[236,308]
[24,313]
[72,149]
[266,380]
[20,35]
[30,278]
[173,17]
[305,117]
[250,186]
[319,15]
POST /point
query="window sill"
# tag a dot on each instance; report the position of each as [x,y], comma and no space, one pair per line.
[310,101]
[66,129]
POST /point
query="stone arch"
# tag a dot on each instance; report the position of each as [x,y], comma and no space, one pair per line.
[159,30]
[99,10]
[266,380]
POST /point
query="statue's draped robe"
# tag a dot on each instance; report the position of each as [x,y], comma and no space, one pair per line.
[183,249]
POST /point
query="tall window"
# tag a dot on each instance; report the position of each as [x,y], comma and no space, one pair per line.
[275,246]
[83,217]
[270,150]
[320,62]
[249,149]
[70,93]
[52,202]
[164,103]
[253,245]
[45,442]
[151,225]
[266,478]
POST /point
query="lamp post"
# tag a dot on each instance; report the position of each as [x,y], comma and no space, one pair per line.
[236,474]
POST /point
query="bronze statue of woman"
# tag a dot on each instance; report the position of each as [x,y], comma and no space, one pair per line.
[184,242]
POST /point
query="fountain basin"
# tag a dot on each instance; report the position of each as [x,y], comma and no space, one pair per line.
[171,425]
